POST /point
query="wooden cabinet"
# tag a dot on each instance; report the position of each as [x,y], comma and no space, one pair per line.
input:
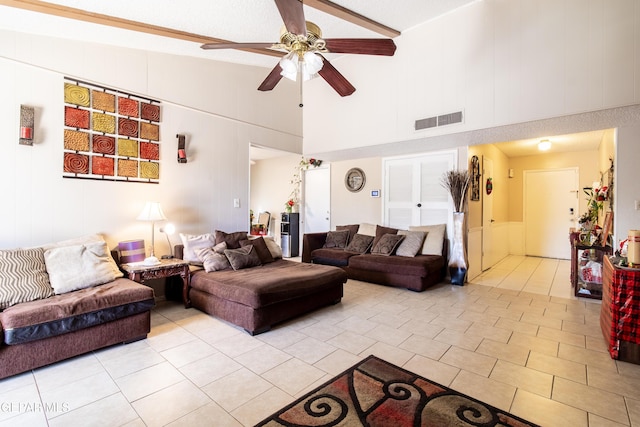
[587,269]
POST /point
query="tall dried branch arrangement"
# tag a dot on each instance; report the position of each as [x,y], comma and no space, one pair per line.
[457,183]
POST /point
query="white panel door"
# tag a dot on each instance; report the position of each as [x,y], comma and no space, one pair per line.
[550,210]
[414,194]
[317,200]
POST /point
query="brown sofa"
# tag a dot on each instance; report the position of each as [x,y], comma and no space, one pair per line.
[259,297]
[40,332]
[416,273]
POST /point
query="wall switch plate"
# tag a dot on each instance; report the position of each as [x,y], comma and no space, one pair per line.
[236,203]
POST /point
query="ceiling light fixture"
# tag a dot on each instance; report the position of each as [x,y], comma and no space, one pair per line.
[544,145]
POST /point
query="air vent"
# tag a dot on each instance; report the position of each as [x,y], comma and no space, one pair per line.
[431,122]
[443,120]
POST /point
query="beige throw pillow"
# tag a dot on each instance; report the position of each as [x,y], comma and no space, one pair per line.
[435,238]
[412,243]
[81,266]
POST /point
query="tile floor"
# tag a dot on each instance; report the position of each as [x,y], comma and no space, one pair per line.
[514,338]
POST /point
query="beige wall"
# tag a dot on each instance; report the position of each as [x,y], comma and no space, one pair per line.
[501,62]
[501,185]
[214,104]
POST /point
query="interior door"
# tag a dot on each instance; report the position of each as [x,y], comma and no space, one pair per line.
[317,200]
[550,210]
[488,257]
[413,192]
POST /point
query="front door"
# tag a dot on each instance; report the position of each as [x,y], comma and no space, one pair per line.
[550,210]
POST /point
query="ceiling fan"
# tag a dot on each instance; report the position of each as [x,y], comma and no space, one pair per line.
[304,43]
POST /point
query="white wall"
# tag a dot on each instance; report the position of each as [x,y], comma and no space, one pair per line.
[214,104]
[502,62]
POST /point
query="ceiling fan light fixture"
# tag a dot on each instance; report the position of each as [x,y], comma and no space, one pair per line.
[312,63]
[289,65]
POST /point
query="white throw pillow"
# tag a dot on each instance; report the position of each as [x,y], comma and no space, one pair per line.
[367,229]
[434,240]
[82,240]
[191,242]
[80,266]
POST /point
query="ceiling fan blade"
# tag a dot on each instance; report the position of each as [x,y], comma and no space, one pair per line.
[272,79]
[335,79]
[385,47]
[292,14]
[232,45]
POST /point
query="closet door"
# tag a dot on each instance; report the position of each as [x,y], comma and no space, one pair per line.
[413,191]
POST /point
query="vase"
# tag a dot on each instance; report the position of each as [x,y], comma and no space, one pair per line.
[458,256]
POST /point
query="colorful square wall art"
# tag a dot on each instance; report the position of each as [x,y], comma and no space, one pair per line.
[109,134]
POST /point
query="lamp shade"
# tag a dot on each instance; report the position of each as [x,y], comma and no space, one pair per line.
[152,212]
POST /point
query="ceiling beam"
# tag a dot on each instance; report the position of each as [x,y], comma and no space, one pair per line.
[125,24]
[350,16]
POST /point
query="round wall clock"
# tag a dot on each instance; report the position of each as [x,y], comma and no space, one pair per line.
[354,180]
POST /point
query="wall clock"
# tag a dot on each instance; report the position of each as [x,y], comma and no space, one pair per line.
[354,179]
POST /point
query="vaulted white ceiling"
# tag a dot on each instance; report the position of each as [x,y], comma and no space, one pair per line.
[232,20]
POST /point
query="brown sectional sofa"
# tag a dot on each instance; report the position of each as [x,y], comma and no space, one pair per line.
[259,297]
[416,273]
[47,330]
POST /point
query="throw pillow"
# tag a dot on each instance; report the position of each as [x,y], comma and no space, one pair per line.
[435,238]
[387,244]
[367,229]
[274,248]
[193,242]
[337,239]
[412,243]
[81,266]
[352,228]
[232,239]
[23,276]
[213,260]
[261,248]
[242,258]
[360,244]
[381,231]
[82,240]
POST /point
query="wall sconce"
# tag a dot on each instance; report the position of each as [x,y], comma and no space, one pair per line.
[182,153]
[27,119]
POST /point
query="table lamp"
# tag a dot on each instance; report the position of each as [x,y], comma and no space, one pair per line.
[152,212]
[167,230]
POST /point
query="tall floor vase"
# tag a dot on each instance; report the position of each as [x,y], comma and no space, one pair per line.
[458,256]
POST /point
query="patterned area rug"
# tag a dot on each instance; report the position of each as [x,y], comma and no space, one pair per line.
[376,393]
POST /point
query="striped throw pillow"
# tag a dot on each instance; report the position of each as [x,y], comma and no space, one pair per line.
[23,276]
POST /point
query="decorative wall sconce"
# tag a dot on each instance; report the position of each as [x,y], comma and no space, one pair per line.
[27,120]
[182,153]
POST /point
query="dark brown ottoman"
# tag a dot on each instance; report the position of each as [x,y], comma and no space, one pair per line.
[257,298]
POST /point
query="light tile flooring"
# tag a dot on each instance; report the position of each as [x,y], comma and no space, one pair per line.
[513,338]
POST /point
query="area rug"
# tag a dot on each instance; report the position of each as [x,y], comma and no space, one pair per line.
[377,393]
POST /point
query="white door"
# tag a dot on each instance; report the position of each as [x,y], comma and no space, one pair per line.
[488,251]
[550,210]
[413,193]
[317,200]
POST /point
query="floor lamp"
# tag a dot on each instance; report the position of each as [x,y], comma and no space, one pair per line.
[152,212]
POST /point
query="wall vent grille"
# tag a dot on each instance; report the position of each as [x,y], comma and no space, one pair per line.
[436,121]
